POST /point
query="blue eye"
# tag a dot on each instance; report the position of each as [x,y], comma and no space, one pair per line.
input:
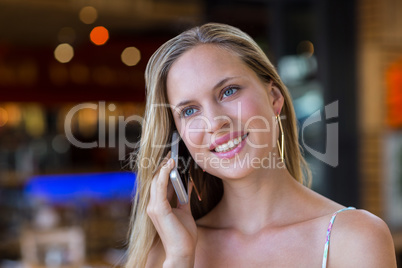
[229,91]
[188,111]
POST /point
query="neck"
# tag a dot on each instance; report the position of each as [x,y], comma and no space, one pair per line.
[252,203]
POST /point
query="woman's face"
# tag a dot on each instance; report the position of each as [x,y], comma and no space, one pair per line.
[224,113]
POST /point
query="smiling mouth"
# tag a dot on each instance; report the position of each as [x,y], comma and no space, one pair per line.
[230,145]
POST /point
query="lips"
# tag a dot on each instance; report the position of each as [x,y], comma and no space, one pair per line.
[228,141]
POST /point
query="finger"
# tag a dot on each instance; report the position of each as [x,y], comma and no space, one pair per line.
[153,189]
[170,190]
[157,173]
[167,157]
[162,181]
[164,161]
[152,197]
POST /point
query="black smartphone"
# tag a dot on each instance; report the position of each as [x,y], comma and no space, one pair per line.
[178,180]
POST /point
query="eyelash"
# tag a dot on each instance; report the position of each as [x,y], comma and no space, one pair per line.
[231,87]
[183,112]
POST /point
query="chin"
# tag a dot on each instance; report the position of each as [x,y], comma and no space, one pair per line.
[244,165]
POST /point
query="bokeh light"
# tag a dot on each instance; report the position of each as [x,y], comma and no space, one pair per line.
[130,56]
[99,35]
[306,48]
[88,14]
[34,119]
[87,122]
[3,117]
[14,114]
[64,53]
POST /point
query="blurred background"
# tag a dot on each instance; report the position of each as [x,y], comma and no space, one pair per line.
[72,96]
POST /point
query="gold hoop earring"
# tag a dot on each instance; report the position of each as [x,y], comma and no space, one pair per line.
[281,146]
[194,186]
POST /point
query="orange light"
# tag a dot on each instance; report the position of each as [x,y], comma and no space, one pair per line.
[394,94]
[3,117]
[99,35]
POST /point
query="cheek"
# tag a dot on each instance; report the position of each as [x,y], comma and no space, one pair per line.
[259,120]
[192,132]
[257,113]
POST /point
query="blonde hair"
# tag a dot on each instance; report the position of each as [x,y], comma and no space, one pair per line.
[158,126]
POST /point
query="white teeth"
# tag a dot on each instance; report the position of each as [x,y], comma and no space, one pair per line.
[229,145]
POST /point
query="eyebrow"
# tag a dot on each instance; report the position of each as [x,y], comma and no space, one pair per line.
[217,85]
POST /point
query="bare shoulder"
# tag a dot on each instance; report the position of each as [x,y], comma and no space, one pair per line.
[156,255]
[360,239]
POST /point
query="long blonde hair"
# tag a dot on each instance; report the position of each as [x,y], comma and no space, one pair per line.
[158,126]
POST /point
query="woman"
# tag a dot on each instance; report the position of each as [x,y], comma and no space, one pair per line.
[219,90]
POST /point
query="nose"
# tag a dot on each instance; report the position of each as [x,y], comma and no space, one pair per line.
[218,119]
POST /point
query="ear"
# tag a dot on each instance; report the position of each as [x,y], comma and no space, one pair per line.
[276,98]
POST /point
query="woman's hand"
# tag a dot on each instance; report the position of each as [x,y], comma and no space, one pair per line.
[176,226]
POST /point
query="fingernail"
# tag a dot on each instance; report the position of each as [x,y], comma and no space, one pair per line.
[169,162]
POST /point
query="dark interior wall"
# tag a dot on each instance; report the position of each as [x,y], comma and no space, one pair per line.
[336,34]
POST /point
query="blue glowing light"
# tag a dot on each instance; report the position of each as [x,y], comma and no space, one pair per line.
[81,187]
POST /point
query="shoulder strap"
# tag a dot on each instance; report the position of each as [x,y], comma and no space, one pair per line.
[331,223]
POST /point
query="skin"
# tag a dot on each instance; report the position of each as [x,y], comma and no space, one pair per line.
[265,218]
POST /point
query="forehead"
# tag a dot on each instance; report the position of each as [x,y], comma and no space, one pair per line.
[203,66]
[205,54]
